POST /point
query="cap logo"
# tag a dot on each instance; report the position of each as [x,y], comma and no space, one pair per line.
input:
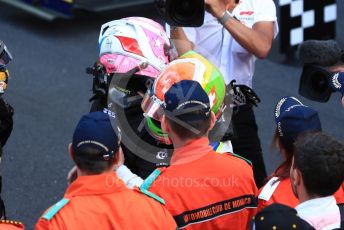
[335,81]
[281,102]
[291,107]
[192,102]
[92,142]
[278,107]
[279,128]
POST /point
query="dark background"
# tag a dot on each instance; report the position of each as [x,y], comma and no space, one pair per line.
[50,90]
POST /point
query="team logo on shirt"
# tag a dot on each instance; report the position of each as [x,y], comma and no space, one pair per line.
[246,17]
[249,13]
[215,210]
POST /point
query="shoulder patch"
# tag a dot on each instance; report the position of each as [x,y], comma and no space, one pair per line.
[242,158]
[269,189]
[55,209]
[144,188]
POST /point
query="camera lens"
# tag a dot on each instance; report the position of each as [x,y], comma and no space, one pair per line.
[183,10]
[319,82]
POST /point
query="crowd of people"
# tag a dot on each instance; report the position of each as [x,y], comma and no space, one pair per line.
[171,140]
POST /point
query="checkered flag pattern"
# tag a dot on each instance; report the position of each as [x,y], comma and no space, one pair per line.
[302,20]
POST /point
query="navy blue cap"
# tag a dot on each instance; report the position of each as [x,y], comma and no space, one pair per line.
[293,118]
[279,216]
[95,130]
[187,101]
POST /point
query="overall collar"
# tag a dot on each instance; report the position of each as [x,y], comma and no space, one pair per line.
[95,184]
[191,151]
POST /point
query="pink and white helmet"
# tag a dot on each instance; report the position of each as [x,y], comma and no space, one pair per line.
[127,43]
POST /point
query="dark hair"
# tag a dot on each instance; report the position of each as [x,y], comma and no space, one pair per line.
[191,129]
[87,160]
[283,170]
[320,159]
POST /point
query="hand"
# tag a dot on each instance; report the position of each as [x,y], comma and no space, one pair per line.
[216,7]
[72,175]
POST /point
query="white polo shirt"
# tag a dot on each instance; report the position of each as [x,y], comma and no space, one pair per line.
[321,213]
[214,42]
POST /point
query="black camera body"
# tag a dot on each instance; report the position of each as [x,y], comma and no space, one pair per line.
[183,13]
[315,83]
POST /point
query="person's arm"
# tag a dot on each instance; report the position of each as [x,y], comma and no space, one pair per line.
[123,172]
[257,40]
[180,40]
[130,179]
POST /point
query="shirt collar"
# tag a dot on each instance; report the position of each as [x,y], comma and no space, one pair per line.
[317,202]
[321,213]
[95,184]
[191,151]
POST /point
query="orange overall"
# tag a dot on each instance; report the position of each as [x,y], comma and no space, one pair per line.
[104,202]
[281,192]
[206,190]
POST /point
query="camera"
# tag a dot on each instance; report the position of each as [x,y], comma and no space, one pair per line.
[318,84]
[315,83]
[183,13]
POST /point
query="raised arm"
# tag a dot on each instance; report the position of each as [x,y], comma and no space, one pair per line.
[180,40]
[257,40]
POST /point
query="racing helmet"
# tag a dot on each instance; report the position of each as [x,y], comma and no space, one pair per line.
[5,55]
[4,75]
[127,43]
[5,58]
[190,66]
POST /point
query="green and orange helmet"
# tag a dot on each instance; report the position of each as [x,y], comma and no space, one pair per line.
[189,66]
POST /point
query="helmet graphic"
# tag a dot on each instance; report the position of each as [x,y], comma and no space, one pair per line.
[190,66]
[127,43]
[4,75]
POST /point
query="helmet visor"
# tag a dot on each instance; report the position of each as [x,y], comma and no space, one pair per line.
[152,106]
